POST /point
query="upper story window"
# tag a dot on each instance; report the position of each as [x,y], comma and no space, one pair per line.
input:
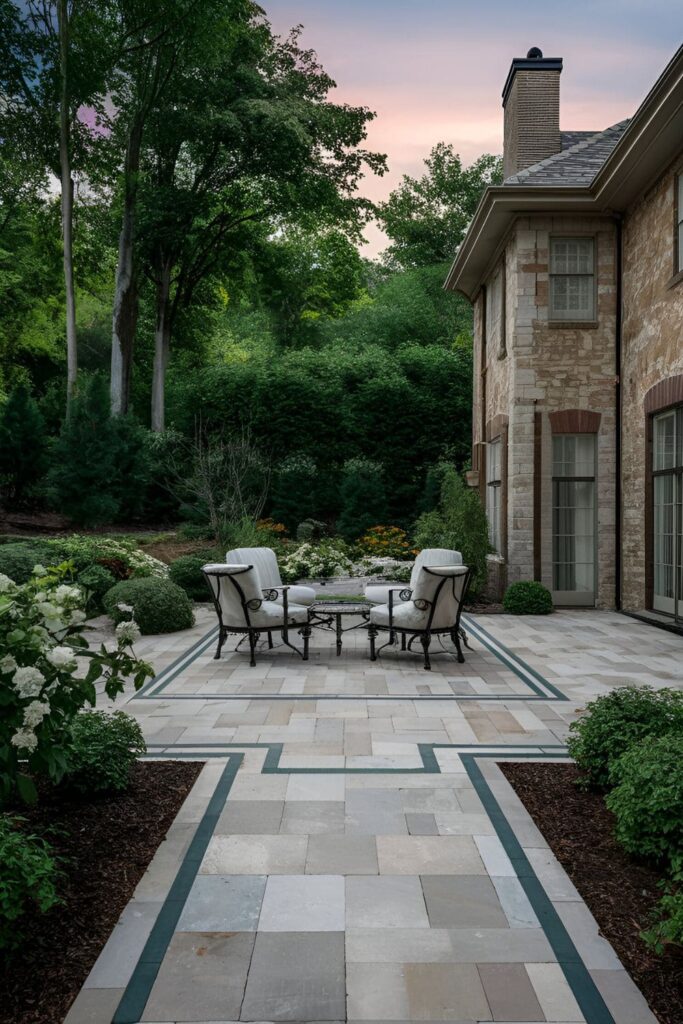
[572,279]
[679,223]
[493,488]
[495,313]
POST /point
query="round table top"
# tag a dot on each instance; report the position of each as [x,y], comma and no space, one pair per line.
[335,607]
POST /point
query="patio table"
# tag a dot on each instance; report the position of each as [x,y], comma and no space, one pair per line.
[329,613]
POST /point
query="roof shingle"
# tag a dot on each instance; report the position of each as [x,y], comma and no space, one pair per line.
[581,157]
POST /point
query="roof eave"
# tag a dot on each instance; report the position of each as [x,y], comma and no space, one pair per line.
[497,208]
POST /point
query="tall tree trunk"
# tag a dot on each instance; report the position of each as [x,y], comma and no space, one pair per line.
[125,312]
[162,344]
[67,201]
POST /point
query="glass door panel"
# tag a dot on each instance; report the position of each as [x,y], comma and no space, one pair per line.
[574,519]
[667,487]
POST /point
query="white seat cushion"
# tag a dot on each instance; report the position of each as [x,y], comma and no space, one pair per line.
[406,616]
[270,616]
[297,594]
[378,593]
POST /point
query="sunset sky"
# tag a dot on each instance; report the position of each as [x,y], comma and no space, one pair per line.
[433,70]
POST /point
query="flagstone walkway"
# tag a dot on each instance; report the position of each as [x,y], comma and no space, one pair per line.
[352,852]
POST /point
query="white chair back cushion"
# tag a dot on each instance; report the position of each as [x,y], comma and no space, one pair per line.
[223,578]
[264,561]
[433,556]
[445,585]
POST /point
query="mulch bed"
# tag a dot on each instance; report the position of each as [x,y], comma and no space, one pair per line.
[106,846]
[620,892]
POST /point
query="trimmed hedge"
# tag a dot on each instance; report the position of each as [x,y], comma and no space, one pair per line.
[17,560]
[613,723]
[186,572]
[159,606]
[527,597]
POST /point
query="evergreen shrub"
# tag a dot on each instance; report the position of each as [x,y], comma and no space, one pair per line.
[102,751]
[647,799]
[616,721]
[186,572]
[159,606]
[28,879]
[527,597]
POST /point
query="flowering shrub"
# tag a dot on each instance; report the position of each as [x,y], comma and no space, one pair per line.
[393,569]
[386,541]
[41,638]
[316,561]
[270,526]
[122,556]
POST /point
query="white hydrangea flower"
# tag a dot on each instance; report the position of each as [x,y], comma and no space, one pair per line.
[61,657]
[127,633]
[8,664]
[24,739]
[125,607]
[28,681]
[65,592]
[5,583]
[39,570]
[49,610]
[77,617]
[35,712]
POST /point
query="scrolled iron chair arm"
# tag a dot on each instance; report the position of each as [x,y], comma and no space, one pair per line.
[422,604]
[270,594]
[405,594]
[254,604]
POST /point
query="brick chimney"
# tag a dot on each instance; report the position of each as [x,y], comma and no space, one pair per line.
[531,100]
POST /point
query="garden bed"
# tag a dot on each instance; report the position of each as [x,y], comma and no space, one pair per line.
[620,892]
[105,846]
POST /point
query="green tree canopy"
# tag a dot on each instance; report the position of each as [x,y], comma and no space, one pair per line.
[426,218]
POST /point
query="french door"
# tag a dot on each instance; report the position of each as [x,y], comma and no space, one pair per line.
[667,487]
[574,516]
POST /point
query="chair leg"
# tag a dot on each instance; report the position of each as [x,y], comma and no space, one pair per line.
[253,637]
[270,640]
[403,641]
[425,640]
[221,641]
[306,634]
[456,641]
[372,633]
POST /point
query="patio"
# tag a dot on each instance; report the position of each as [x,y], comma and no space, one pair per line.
[351,850]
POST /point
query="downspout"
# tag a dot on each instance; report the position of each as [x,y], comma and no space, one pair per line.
[618,410]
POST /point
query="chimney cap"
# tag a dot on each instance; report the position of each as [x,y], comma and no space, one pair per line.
[534,61]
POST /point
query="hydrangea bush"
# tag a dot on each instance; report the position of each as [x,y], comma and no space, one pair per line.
[316,561]
[122,554]
[42,642]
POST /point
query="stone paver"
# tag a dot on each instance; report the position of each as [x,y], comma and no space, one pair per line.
[345,878]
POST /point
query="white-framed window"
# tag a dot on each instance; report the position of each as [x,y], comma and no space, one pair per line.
[493,492]
[679,222]
[667,484]
[495,312]
[572,278]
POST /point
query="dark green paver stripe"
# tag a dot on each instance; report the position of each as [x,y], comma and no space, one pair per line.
[512,660]
[585,991]
[578,978]
[138,989]
[517,665]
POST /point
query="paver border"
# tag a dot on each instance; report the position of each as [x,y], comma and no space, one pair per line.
[577,975]
[541,688]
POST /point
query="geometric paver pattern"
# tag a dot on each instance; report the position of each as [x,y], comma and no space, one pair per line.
[352,852]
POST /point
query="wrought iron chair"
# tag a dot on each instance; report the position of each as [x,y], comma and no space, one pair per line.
[432,608]
[378,593]
[264,561]
[244,607]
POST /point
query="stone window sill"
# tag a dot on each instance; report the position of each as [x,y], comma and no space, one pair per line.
[676,279]
[574,325]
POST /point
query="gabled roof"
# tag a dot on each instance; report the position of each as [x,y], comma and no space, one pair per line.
[581,157]
[594,173]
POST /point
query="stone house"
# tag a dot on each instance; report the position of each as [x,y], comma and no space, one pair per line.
[574,266]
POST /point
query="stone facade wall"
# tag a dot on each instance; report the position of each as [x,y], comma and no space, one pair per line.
[550,368]
[652,343]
